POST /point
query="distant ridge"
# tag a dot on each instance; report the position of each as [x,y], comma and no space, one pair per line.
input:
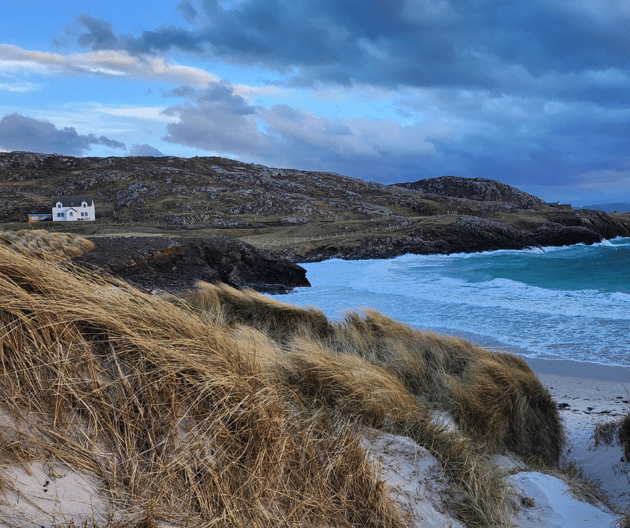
[479,189]
[618,207]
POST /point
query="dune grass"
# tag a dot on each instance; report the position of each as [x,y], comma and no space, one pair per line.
[178,424]
[228,408]
[393,377]
[607,432]
[42,243]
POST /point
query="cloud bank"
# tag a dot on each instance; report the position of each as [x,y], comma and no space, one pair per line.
[144,150]
[523,47]
[18,132]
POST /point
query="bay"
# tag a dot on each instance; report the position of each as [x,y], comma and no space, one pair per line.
[567,303]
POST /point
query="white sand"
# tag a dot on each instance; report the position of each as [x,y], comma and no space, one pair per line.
[414,477]
[418,483]
[590,395]
[40,495]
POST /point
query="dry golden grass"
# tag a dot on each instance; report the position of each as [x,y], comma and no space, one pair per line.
[391,376]
[227,408]
[279,321]
[177,422]
[42,243]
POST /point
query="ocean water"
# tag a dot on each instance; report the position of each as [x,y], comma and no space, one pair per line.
[570,302]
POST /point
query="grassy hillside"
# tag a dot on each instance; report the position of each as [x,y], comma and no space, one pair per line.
[227,408]
[277,209]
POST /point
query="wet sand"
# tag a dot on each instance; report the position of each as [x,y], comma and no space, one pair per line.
[587,388]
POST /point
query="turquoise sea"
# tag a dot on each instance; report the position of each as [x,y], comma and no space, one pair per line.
[570,302]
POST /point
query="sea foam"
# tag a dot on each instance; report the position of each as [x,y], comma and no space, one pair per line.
[571,302]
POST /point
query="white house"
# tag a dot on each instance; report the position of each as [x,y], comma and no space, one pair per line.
[71,209]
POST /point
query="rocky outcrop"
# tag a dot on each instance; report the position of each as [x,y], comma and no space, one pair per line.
[176,264]
[559,235]
[471,234]
[478,189]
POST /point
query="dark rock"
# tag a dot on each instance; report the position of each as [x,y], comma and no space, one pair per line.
[176,264]
[471,234]
[467,235]
[560,235]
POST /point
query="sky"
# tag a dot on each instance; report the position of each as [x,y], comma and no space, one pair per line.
[534,94]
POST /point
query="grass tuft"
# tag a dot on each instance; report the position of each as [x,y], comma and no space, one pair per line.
[607,432]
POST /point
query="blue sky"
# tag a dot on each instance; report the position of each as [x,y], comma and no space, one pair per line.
[535,94]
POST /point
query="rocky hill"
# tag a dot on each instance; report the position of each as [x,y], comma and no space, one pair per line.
[300,215]
[479,189]
[220,191]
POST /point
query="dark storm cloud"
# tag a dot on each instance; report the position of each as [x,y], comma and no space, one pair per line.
[497,45]
[145,150]
[24,133]
[100,36]
[187,11]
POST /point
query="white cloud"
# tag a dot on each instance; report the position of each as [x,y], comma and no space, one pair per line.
[20,87]
[117,64]
[109,63]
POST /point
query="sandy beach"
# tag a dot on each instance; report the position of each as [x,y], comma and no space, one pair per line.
[587,390]
[589,394]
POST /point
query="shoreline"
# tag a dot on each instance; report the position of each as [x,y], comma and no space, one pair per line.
[586,391]
[568,368]
[571,368]
[588,395]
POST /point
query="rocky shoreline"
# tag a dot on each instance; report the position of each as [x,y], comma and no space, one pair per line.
[470,234]
[175,264]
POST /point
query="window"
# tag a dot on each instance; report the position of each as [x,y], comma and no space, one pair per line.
[83,204]
[58,205]
[59,215]
[70,213]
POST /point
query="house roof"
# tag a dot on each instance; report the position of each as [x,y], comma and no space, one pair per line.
[73,201]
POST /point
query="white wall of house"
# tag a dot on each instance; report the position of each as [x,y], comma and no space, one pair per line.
[72,210]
